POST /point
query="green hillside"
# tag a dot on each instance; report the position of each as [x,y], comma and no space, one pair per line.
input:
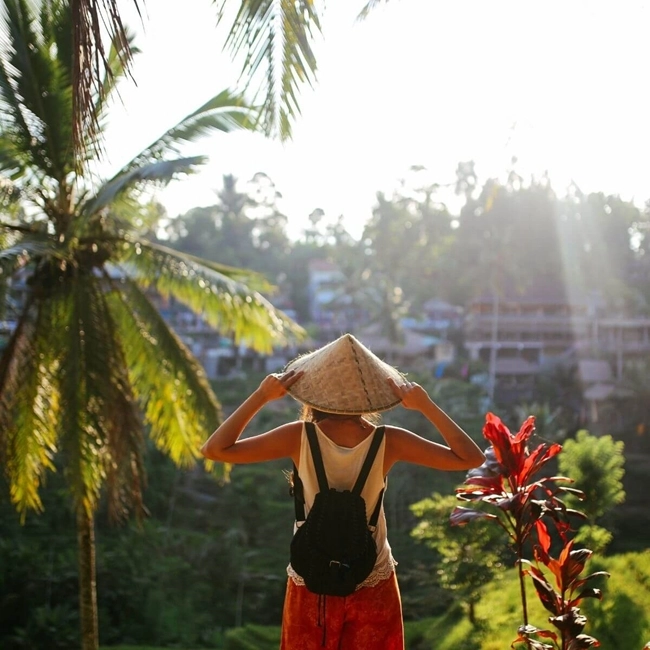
[621,621]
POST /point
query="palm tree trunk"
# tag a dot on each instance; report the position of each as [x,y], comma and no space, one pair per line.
[87,580]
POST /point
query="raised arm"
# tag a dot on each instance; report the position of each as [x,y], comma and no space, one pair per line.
[461,451]
[282,442]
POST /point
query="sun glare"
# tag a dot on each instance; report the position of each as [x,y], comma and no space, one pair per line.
[557,85]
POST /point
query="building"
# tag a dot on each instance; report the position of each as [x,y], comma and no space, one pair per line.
[415,351]
[518,336]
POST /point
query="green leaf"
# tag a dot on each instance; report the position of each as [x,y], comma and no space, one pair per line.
[168,381]
[162,171]
[275,38]
[35,85]
[227,111]
[28,406]
[225,303]
[112,413]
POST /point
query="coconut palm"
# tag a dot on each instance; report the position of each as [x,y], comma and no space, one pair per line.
[91,365]
[273,39]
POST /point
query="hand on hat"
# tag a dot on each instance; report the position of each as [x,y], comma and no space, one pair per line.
[411,395]
[276,386]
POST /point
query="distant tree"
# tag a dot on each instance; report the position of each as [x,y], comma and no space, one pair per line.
[405,239]
[597,466]
[270,238]
[595,230]
[245,228]
[470,556]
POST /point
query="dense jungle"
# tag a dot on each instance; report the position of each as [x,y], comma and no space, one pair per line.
[113,530]
[204,566]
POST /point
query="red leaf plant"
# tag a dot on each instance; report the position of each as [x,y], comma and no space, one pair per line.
[562,600]
[524,506]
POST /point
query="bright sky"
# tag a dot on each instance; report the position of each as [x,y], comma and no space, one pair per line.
[561,85]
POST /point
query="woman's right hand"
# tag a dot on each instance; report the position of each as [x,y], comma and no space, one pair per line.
[276,386]
[411,395]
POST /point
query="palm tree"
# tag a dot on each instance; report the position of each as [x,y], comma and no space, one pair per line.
[91,364]
[273,38]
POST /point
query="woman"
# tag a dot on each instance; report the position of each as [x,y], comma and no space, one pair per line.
[340,386]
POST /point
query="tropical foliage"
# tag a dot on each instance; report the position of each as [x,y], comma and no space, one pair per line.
[274,41]
[523,505]
[597,466]
[91,362]
[470,557]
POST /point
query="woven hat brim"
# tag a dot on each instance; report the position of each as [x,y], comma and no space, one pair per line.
[345,377]
[329,409]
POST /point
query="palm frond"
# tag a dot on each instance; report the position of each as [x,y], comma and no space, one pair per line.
[169,382]
[227,111]
[18,147]
[18,254]
[228,305]
[254,281]
[100,429]
[161,172]
[28,407]
[369,7]
[89,20]
[122,49]
[276,37]
[112,413]
[39,87]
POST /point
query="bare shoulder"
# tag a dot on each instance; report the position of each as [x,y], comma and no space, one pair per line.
[396,438]
[289,432]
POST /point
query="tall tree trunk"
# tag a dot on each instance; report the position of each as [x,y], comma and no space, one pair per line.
[87,580]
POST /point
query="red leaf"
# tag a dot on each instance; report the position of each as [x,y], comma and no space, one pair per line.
[574,565]
[461,516]
[494,483]
[536,460]
[590,592]
[569,490]
[546,594]
[571,623]
[542,535]
[583,641]
[501,438]
[578,584]
[568,547]
[526,430]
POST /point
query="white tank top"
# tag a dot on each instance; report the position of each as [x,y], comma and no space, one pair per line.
[342,466]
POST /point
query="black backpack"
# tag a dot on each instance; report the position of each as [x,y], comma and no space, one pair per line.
[333,551]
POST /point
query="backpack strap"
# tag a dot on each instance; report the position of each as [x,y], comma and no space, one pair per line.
[298,493]
[299,499]
[370,459]
[374,517]
[365,470]
[323,485]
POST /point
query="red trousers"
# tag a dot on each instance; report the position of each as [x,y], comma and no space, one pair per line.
[368,619]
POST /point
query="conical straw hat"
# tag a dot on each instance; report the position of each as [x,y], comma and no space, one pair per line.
[344,377]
